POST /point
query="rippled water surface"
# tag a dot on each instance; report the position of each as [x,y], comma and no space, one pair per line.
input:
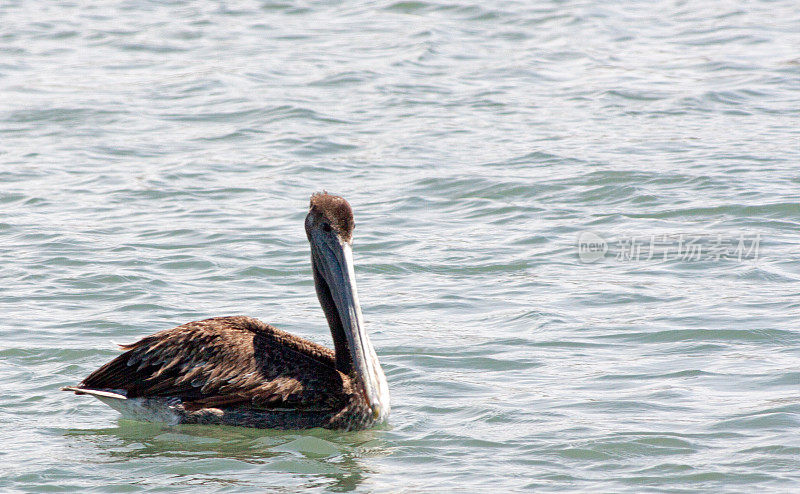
[157,159]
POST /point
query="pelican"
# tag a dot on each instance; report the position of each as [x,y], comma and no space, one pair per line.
[240,371]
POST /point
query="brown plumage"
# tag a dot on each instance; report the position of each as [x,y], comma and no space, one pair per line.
[337,211]
[239,371]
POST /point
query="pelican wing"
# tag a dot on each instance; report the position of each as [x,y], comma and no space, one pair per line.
[226,362]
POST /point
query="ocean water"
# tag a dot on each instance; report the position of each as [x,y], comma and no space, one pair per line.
[576,246]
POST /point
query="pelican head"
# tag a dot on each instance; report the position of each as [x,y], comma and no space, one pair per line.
[329,226]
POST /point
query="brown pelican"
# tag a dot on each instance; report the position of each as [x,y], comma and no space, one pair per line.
[240,371]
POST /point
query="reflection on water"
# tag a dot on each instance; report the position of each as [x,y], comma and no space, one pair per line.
[317,456]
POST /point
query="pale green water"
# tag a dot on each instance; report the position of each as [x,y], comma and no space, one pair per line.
[157,158]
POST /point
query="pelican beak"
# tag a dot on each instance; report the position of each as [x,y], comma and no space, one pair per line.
[333,258]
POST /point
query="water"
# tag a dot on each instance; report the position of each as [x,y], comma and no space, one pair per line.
[157,159]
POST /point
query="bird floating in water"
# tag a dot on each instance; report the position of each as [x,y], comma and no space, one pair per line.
[239,371]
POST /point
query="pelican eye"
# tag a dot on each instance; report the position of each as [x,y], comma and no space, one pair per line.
[326,227]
